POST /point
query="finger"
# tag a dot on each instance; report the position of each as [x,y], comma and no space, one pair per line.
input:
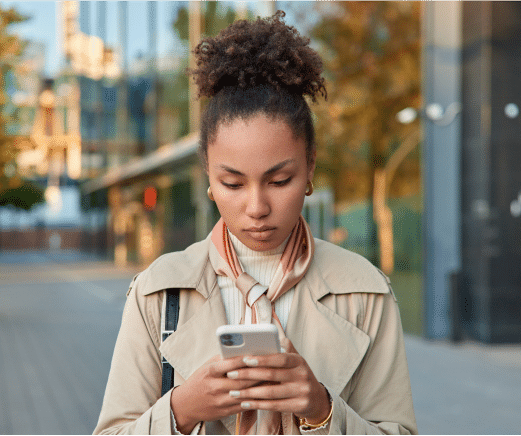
[238,385]
[267,392]
[279,360]
[291,405]
[219,386]
[220,367]
[264,374]
[227,405]
[288,346]
[233,410]
[215,358]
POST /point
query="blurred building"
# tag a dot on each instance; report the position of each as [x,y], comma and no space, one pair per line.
[491,170]
[128,108]
[472,176]
[48,155]
[156,194]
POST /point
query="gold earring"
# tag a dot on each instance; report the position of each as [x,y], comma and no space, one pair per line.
[309,188]
[209,192]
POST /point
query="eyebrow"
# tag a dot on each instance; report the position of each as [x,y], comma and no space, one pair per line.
[272,170]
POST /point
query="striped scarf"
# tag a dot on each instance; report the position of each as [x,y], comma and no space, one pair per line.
[293,264]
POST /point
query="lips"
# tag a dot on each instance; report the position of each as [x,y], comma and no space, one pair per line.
[259,229]
[261,234]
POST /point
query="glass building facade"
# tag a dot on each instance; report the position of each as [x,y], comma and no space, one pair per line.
[456,243]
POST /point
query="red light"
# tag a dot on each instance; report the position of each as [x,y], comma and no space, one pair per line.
[150,198]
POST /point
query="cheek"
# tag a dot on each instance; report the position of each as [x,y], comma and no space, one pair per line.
[290,202]
[230,206]
[225,204]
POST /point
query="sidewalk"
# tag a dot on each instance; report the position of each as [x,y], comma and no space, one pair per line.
[41,266]
[471,388]
[23,257]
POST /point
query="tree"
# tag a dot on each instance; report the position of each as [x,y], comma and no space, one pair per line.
[214,18]
[371,52]
[13,189]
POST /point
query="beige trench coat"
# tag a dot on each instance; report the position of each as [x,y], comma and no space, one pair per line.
[344,321]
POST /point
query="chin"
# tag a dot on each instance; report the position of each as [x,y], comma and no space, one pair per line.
[261,245]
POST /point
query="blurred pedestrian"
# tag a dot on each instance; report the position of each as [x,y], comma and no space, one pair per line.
[343,368]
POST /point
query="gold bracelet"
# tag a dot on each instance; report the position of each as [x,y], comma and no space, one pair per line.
[307,426]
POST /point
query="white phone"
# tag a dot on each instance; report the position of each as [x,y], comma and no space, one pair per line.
[251,340]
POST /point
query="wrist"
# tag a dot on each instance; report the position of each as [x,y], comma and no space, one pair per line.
[184,423]
[321,419]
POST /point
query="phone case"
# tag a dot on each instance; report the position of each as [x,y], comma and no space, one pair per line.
[251,340]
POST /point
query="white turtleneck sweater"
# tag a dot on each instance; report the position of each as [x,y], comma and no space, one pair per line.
[261,265]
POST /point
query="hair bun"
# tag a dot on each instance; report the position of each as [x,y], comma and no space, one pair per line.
[261,52]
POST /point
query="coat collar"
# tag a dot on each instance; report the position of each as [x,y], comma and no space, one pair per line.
[188,269]
[337,271]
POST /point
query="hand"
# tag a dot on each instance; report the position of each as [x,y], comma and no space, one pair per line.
[205,395]
[292,386]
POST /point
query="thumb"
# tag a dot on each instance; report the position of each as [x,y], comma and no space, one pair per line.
[215,358]
[288,347]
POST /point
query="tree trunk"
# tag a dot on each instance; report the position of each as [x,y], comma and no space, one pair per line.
[384,222]
[381,212]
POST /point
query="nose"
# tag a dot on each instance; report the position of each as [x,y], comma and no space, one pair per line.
[257,203]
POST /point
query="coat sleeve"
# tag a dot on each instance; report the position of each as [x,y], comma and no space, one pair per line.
[133,403]
[379,400]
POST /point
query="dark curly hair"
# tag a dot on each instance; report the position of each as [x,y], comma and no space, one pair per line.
[262,66]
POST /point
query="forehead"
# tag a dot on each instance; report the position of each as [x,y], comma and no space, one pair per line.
[258,140]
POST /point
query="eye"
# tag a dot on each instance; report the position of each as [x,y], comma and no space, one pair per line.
[232,185]
[282,182]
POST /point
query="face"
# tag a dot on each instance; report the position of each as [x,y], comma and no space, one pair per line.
[258,173]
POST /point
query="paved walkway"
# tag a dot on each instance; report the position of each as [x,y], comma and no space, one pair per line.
[470,388]
[59,318]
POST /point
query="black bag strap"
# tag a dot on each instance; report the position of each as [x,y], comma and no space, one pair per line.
[169,326]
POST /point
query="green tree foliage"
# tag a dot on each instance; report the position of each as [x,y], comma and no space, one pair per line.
[13,190]
[22,197]
[371,52]
[214,17]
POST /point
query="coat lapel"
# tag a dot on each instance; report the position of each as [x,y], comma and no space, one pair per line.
[194,342]
[332,346]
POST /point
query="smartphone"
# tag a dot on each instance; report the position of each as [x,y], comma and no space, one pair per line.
[251,340]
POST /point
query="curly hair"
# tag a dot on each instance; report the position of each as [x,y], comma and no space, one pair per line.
[261,66]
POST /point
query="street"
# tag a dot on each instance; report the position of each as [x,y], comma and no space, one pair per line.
[59,318]
[58,324]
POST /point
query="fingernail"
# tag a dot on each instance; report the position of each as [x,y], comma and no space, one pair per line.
[235,394]
[250,362]
[282,350]
[246,405]
[232,374]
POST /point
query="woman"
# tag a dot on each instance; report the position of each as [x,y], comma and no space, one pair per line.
[343,369]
